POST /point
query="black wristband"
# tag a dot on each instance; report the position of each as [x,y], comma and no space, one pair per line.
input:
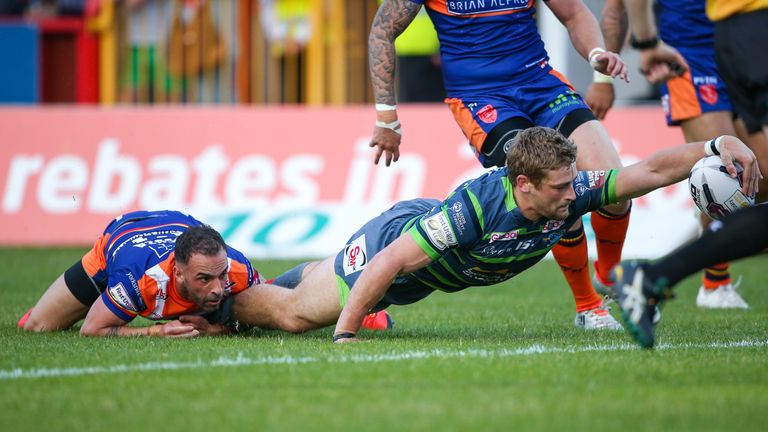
[345,335]
[645,44]
[712,147]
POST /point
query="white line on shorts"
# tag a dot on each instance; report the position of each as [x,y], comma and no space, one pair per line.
[242,360]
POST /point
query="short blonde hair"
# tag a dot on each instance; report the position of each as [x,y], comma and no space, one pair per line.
[537,150]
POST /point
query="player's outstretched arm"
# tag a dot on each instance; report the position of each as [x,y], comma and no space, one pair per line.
[672,165]
[100,321]
[401,256]
[391,19]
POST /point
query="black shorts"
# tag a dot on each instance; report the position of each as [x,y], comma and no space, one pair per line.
[85,290]
[741,44]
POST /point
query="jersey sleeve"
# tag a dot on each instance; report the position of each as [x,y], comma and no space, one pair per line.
[123,296]
[454,223]
[241,273]
[594,189]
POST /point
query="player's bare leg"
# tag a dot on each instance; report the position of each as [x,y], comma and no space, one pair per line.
[314,303]
[57,309]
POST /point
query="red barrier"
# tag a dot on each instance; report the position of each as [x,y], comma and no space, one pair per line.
[66,172]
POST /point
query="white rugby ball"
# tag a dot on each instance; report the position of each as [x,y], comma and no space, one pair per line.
[716,193]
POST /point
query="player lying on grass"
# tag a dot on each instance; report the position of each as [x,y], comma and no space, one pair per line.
[487,231]
[162,265]
[641,286]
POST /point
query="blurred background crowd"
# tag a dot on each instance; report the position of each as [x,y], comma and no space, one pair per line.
[229,52]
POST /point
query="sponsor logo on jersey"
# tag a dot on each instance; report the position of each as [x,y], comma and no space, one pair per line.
[487,114]
[552,225]
[120,295]
[161,242]
[459,220]
[469,7]
[595,178]
[355,257]
[503,236]
[132,279]
[439,231]
[564,100]
[580,189]
[708,93]
[486,276]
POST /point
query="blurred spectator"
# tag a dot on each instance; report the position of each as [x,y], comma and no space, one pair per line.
[196,46]
[13,7]
[145,77]
[49,8]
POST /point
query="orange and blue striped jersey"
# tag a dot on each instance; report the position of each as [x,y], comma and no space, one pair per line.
[487,44]
[134,258]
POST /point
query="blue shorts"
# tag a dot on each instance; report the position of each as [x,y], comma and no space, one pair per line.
[543,102]
[699,91]
[374,236]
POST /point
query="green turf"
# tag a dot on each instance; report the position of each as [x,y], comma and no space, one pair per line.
[499,358]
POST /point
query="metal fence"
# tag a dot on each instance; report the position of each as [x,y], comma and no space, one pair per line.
[234,51]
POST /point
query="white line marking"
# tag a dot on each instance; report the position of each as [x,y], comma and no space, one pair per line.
[242,360]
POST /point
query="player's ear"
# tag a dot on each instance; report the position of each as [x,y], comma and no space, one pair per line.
[523,183]
[177,272]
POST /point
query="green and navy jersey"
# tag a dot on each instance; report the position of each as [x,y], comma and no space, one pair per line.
[475,237]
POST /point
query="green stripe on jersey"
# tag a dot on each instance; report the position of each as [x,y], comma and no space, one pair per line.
[440,277]
[478,209]
[423,243]
[609,190]
[343,291]
[509,200]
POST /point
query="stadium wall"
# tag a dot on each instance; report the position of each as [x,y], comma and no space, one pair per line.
[278,182]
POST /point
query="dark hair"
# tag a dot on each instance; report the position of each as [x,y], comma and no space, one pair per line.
[198,240]
[537,150]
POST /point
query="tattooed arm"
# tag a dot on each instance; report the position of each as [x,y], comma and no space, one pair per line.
[391,19]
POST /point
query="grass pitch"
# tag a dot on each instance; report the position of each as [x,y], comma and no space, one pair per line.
[497,358]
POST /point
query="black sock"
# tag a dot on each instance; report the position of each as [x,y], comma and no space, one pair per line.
[739,235]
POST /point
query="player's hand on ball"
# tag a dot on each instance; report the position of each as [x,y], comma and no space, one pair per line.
[733,149]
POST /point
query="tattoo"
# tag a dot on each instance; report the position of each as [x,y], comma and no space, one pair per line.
[113,331]
[391,19]
[613,24]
